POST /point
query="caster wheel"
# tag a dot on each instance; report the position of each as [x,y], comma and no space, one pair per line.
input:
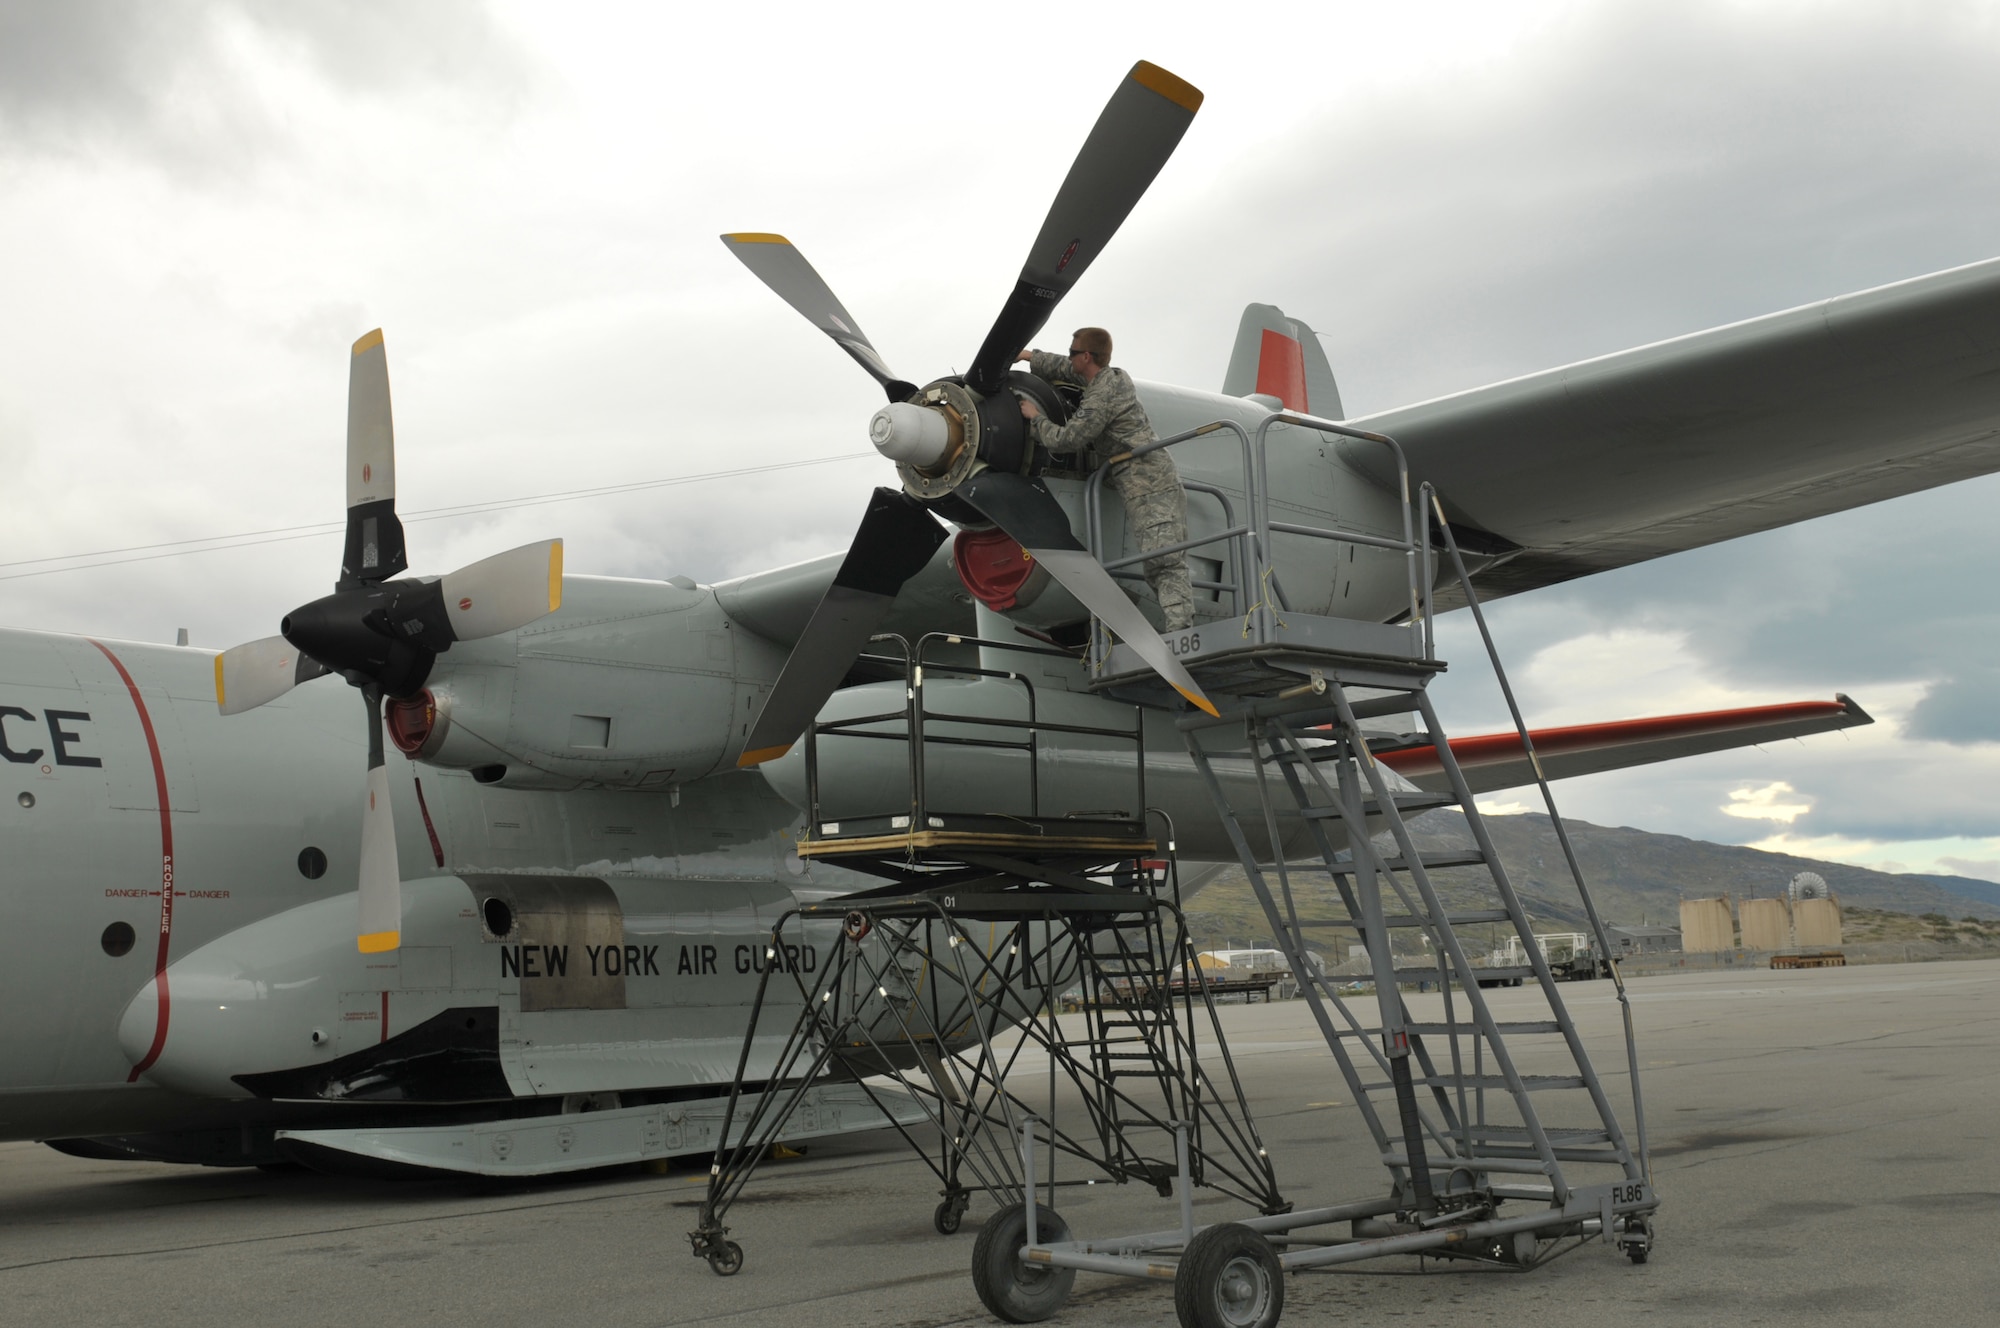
[1636,1253]
[1011,1290]
[1229,1277]
[948,1216]
[725,1258]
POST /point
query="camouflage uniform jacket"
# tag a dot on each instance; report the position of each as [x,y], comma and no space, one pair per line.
[1108,421]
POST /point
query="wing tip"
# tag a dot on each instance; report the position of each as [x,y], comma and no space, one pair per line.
[1167,84]
[377,942]
[368,342]
[759,755]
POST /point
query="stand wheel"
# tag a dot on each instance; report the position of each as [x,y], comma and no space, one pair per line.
[1229,1277]
[1638,1237]
[1010,1289]
[725,1258]
[948,1216]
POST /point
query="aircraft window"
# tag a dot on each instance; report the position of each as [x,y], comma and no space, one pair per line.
[499,917]
[312,863]
[117,939]
[26,799]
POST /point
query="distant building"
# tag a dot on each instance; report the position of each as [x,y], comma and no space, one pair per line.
[1645,940]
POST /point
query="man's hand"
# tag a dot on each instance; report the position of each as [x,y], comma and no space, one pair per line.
[1029,410]
[1023,356]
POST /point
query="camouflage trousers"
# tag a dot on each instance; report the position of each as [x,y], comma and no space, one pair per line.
[1156,515]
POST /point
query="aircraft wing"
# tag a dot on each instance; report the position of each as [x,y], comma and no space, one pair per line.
[1722,433]
[1497,761]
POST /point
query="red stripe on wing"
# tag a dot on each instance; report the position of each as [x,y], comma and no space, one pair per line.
[1498,748]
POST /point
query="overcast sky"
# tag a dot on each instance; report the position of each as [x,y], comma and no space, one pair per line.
[202,204]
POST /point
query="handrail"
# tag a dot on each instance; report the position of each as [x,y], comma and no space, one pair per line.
[915,716]
[1257,592]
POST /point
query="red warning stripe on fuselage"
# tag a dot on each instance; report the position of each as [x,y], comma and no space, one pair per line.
[166,867]
[1496,748]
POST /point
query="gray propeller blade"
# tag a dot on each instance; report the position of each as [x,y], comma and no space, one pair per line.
[252,674]
[897,537]
[779,265]
[1139,129]
[374,550]
[506,591]
[381,922]
[1026,510]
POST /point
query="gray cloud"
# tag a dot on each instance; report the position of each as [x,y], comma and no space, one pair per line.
[1963,709]
[171,81]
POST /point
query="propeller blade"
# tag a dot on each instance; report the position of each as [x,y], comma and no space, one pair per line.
[249,675]
[374,549]
[1027,511]
[897,537]
[381,926]
[506,591]
[779,265]
[1138,130]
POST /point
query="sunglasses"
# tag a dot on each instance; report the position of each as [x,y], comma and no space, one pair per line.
[1075,351]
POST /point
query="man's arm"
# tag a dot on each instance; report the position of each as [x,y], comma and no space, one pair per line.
[1087,423]
[1054,368]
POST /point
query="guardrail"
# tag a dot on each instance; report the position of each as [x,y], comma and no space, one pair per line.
[909,723]
[1256,589]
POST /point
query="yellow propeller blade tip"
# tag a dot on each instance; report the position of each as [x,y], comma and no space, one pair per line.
[369,342]
[375,942]
[761,755]
[755,237]
[1200,702]
[221,699]
[1171,86]
[555,576]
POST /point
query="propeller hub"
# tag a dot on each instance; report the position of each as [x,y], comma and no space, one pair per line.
[917,436]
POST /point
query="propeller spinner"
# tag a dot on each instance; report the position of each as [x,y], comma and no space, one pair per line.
[964,439]
[382,635]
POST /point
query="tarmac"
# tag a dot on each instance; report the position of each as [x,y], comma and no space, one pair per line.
[1826,1145]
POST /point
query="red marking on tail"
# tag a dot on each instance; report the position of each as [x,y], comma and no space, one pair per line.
[1281,371]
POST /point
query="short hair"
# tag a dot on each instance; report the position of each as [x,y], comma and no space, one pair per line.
[1095,340]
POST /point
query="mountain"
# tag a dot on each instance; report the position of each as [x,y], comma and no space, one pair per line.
[1635,877]
[1986,892]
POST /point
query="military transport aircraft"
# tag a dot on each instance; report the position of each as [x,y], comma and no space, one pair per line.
[524,943]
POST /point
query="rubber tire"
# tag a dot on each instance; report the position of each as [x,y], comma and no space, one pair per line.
[1228,1252]
[947,1217]
[1011,1290]
[725,1258]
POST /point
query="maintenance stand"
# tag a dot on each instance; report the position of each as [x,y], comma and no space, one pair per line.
[1501,1142]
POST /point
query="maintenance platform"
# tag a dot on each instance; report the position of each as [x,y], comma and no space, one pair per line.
[1501,1141]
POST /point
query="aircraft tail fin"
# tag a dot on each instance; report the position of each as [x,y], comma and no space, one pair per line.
[1281,357]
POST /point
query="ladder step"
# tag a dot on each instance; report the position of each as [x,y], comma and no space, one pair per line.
[1555,1134]
[1533,1083]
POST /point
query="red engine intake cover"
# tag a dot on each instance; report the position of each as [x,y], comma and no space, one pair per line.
[999,573]
[410,721]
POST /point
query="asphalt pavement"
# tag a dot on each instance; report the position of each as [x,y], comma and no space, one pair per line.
[1826,1145]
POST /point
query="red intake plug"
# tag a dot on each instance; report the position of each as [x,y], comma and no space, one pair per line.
[999,572]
